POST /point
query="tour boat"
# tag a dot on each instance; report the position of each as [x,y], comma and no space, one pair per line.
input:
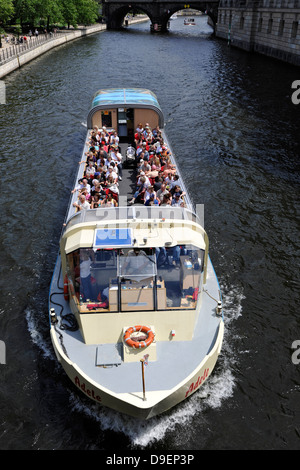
[189,21]
[135,307]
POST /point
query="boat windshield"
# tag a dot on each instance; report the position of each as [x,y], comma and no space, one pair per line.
[131,279]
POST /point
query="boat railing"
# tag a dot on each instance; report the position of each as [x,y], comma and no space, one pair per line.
[132,213]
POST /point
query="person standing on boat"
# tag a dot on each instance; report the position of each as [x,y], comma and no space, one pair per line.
[86,261]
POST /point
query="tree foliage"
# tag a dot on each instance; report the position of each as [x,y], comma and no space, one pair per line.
[6,10]
[70,12]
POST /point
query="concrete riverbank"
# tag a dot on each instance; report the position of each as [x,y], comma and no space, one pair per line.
[62,38]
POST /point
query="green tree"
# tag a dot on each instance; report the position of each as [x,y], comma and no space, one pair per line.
[69,12]
[6,10]
[87,11]
[26,11]
[50,11]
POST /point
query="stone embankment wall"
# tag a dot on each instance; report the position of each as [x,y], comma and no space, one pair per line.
[62,38]
[270,27]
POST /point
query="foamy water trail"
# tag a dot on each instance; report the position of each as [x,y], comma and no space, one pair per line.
[36,335]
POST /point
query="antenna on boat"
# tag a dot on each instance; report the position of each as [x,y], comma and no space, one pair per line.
[143,377]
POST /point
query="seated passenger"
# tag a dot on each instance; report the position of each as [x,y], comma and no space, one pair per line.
[114,139]
[111,172]
[139,194]
[168,168]
[151,201]
[109,201]
[157,183]
[156,132]
[162,192]
[143,179]
[82,203]
[87,195]
[154,160]
[117,159]
[98,189]
[176,189]
[90,170]
[139,128]
[153,173]
[176,200]
[167,199]
[96,201]
[83,184]
[145,166]
[148,193]
[112,187]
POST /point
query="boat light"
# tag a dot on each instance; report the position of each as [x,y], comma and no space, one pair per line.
[53,316]
[219,308]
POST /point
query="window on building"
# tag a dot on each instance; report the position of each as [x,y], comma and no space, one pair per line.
[294,29]
[270,25]
[242,21]
[281,27]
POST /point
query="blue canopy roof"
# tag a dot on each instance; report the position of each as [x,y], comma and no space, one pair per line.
[124,97]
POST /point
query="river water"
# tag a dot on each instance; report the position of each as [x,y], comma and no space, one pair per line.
[235,132]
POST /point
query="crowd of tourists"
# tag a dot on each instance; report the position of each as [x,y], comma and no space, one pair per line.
[157,182]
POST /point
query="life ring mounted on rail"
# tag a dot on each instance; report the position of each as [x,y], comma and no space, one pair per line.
[136,341]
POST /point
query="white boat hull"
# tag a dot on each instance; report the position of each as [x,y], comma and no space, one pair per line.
[133,404]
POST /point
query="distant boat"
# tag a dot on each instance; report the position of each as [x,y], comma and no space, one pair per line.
[190,22]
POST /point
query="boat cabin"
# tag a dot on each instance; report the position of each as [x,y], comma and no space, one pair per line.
[121,261]
[123,109]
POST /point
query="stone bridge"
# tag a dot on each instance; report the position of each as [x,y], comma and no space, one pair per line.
[158,11]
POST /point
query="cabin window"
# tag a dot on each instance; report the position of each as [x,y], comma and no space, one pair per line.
[106,119]
[92,275]
[135,279]
[137,274]
[179,270]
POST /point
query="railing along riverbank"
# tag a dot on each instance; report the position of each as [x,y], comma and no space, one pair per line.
[9,52]
[14,56]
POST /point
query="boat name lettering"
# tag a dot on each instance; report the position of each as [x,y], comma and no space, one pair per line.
[197,384]
[89,392]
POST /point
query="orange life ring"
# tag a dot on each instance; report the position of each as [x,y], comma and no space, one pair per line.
[66,288]
[136,343]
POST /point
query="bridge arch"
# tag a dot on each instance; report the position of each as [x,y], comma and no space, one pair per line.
[158,11]
[117,13]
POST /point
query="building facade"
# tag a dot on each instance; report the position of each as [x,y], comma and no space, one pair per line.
[270,27]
